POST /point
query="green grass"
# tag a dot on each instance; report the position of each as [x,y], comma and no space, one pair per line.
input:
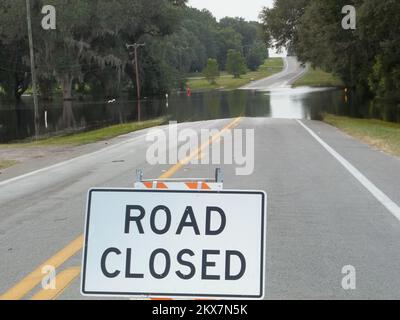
[228,82]
[91,136]
[318,78]
[7,163]
[382,135]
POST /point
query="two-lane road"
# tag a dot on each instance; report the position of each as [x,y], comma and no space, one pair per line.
[293,70]
[333,202]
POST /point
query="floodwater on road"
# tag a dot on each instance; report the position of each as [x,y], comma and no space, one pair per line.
[59,117]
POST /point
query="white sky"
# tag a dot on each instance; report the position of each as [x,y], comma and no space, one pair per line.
[248,9]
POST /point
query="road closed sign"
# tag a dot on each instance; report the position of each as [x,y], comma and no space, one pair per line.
[182,244]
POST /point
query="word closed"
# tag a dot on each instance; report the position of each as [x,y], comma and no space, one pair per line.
[160,224]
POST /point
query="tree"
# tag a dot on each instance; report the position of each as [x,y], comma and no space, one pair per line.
[235,64]
[379,26]
[228,39]
[14,73]
[257,55]
[211,72]
[281,22]
[251,40]
[199,33]
[249,31]
[366,58]
[88,44]
[87,53]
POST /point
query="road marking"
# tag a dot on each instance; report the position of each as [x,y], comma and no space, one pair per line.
[374,190]
[60,164]
[199,150]
[254,85]
[23,287]
[297,77]
[62,281]
[35,277]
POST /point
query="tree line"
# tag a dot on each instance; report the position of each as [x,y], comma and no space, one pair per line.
[367,58]
[87,53]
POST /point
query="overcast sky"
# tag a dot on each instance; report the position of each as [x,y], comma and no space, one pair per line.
[248,9]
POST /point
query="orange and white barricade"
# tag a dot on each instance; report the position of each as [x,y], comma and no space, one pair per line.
[180,184]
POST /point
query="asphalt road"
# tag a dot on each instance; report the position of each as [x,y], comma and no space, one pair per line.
[293,70]
[333,201]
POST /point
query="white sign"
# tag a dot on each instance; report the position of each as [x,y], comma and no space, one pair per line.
[186,244]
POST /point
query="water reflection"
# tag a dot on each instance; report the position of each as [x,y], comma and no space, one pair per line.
[16,121]
[287,103]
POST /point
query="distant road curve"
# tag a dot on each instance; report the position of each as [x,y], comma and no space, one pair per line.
[293,70]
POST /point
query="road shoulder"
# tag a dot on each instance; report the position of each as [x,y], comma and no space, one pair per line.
[34,158]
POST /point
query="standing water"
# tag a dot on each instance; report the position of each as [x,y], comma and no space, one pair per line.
[61,117]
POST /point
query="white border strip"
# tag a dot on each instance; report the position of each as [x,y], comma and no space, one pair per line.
[374,190]
[78,158]
[100,151]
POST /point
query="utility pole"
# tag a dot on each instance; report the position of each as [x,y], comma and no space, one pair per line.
[33,69]
[135,46]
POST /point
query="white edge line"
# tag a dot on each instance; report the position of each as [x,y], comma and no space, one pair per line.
[374,190]
[291,81]
[276,75]
[60,164]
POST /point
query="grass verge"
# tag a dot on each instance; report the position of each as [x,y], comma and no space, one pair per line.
[382,135]
[228,82]
[92,136]
[4,164]
[315,77]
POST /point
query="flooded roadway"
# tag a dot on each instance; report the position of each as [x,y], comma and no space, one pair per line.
[16,121]
[271,97]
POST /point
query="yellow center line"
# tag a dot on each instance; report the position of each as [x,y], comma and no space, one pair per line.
[201,149]
[35,277]
[23,287]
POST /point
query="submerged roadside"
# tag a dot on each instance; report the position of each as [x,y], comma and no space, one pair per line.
[20,153]
[382,135]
